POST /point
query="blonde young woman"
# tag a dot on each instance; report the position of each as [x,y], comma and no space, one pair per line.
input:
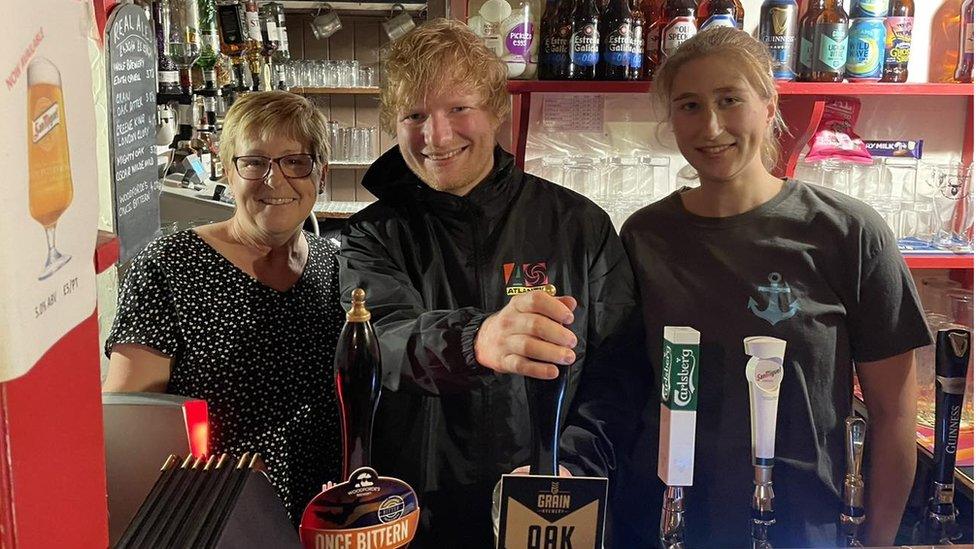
[746,254]
[245,313]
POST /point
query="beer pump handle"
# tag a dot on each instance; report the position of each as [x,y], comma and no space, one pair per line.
[545,402]
[951,362]
[852,512]
[358,378]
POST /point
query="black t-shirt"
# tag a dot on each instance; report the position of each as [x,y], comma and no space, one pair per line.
[811,266]
[262,359]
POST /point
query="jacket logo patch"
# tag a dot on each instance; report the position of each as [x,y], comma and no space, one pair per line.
[525,277]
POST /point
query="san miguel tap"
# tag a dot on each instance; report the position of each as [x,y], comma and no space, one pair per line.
[951,361]
[545,399]
[764,373]
[366,510]
[852,513]
[679,411]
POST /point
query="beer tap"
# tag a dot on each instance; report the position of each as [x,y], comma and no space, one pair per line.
[764,372]
[852,514]
[952,349]
[676,442]
[545,399]
[357,377]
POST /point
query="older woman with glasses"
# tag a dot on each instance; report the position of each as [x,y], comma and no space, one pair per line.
[244,313]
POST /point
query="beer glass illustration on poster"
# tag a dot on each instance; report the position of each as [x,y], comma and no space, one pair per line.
[49,219]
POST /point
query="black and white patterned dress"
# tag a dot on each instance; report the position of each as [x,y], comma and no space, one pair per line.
[262,359]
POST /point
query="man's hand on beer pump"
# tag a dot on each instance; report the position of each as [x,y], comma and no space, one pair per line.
[528,336]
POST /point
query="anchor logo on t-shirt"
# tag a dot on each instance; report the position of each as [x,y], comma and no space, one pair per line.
[773,313]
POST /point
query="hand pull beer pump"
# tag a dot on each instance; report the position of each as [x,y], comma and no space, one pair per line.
[383,509]
[546,399]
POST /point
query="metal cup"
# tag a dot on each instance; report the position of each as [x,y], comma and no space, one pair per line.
[399,23]
[326,24]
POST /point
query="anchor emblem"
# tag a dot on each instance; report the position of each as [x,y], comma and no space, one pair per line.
[772,313]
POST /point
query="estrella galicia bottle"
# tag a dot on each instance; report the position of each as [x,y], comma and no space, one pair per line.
[554,61]
[636,69]
[584,41]
[615,40]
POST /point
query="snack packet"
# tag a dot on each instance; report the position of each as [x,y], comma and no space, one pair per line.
[835,138]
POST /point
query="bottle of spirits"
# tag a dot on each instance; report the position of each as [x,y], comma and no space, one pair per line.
[254,43]
[964,67]
[281,54]
[209,42]
[184,38]
[168,73]
[233,37]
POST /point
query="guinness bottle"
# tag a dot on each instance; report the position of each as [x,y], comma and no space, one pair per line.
[778,29]
[678,26]
[830,43]
[616,43]
[720,13]
[584,41]
[357,378]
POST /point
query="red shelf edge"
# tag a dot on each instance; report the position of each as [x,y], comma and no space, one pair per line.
[785,88]
[947,261]
[106,251]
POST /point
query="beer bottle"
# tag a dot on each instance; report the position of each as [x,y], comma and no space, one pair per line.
[808,24]
[679,25]
[720,13]
[964,67]
[584,40]
[653,14]
[830,43]
[615,40]
[357,381]
[898,40]
[635,70]
[778,30]
[547,25]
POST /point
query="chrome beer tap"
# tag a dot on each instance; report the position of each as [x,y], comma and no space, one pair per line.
[764,372]
[673,519]
[852,514]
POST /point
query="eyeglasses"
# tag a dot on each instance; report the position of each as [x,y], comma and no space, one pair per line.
[256,168]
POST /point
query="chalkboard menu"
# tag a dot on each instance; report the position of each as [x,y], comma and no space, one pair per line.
[131,63]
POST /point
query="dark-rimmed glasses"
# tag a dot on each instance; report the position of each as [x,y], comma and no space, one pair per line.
[256,167]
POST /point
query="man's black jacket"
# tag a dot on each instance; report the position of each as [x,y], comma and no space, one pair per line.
[434,266]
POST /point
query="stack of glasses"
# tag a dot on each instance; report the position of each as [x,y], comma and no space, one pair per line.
[924,204]
[352,145]
[619,184]
[329,74]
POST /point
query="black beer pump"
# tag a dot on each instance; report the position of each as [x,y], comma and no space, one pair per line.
[366,504]
[951,362]
[546,398]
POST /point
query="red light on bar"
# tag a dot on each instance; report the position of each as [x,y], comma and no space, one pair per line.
[197,426]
